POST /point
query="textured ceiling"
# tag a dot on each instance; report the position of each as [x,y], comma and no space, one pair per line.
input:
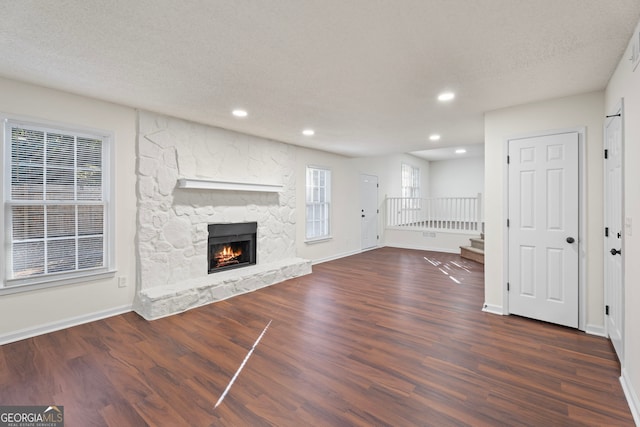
[364,74]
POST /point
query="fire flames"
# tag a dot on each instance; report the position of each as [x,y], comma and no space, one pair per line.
[227,256]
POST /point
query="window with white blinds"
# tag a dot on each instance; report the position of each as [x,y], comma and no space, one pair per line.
[55,199]
[318,203]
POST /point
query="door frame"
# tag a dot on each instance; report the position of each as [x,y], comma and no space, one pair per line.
[618,109]
[582,226]
[377,214]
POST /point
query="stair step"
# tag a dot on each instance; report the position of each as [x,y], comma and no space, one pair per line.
[473,254]
[477,243]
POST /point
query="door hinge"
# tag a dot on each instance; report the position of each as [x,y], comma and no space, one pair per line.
[507,222]
[606,154]
[377,210]
[606,232]
[377,185]
[606,310]
[378,237]
[508,159]
[508,287]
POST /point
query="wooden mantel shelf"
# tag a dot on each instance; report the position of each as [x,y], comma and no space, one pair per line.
[209,184]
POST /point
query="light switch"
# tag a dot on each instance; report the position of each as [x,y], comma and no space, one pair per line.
[122,282]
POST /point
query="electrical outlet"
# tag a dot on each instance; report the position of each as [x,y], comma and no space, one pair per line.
[122,282]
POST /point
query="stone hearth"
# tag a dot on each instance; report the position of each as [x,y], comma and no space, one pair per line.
[163,301]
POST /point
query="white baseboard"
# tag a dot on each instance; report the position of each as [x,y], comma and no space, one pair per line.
[342,255]
[493,309]
[631,395]
[62,324]
[596,330]
[346,254]
[423,248]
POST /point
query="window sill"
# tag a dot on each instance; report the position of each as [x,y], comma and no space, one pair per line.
[319,240]
[52,282]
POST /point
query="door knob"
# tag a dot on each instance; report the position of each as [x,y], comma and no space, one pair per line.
[570,240]
[616,251]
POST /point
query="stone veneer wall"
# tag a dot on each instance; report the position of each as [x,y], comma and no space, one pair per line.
[172,222]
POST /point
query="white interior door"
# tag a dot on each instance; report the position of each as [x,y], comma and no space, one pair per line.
[613,256]
[543,228]
[369,210]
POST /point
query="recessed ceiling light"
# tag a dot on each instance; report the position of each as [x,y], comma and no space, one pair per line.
[434,137]
[446,96]
[308,132]
[461,151]
[239,113]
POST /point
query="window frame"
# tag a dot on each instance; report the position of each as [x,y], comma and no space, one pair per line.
[327,187]
[413,189]
[108,270]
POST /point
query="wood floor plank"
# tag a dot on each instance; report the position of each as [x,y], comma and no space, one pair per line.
[388,337]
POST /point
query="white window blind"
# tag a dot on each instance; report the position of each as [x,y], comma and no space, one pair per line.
[318,202]
[56,201]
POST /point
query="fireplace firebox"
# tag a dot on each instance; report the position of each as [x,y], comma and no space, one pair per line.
[232,246]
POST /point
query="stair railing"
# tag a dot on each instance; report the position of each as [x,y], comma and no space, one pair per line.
[453,214]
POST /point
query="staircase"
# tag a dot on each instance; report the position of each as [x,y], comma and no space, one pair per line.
[475,252]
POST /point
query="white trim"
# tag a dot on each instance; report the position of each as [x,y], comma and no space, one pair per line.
[62,324]
[631,395]
[582,209]
[596,330]
[505,229]
[209,184]
[49,280]
[328,187]
[494,309]
[338,256]
[364,176]
[619,109]
[582,227]
[434,230]
[318,240]
[54,281]
[429,248]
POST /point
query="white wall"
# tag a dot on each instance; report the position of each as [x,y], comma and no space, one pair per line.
[388,169]
[345,211]
[42,310]
[456,177]
[345,216]
[626,84]
[571,112]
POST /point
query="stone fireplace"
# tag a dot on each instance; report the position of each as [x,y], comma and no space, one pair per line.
[192,179]
[231,246]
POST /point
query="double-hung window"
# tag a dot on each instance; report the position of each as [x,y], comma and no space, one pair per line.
[56,204]
[411,186]
[318,203]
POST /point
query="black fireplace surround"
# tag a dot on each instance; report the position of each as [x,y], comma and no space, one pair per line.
[231,246]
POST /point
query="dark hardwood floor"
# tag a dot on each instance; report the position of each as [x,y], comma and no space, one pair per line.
[389,337]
